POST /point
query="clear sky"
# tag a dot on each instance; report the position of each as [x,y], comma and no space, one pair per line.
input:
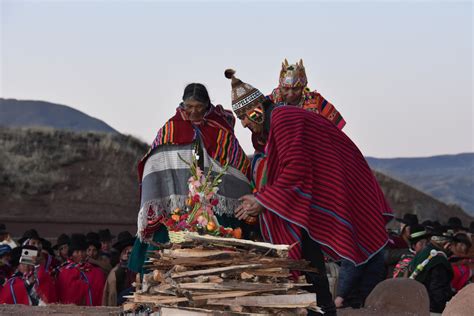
[400,72]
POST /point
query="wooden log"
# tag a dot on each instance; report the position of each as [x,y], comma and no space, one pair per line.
[160,299]
[282,250]
[270,301]
[197,253]
[214,270]
[235,285]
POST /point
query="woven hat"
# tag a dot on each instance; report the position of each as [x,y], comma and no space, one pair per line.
[125,239]
[417,233]
[294,75]
[78,242]
[29,234]
[105,235]
[244,96]
[63,239]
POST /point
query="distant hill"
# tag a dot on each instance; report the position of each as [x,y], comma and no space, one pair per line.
[449,178]
[24,113]
[61,181]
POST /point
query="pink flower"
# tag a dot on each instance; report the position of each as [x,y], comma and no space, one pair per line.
[202,220]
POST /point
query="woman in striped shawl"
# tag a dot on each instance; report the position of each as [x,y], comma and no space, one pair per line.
[320,195]
[197,125]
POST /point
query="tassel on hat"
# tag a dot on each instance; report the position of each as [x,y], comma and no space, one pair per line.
[244,96]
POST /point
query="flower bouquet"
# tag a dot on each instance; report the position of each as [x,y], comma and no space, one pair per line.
[198,214]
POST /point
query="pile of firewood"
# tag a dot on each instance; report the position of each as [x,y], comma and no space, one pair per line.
[208,275]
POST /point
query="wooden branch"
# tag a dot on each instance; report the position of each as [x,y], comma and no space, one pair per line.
[214,270]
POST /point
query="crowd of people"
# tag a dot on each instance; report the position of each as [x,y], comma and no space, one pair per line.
[306,185]
[86,270]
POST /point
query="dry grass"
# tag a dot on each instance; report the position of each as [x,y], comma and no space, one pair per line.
[32,160]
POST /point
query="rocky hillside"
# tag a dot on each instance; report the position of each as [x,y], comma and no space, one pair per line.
[449,178]
[51,178]
[59,181]
[406,199]
[26,113]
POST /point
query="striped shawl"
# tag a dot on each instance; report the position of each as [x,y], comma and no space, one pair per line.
[319,181]
[164,177]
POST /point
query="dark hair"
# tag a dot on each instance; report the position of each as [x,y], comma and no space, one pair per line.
[198,92]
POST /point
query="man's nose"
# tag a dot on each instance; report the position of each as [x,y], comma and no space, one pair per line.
[244,122]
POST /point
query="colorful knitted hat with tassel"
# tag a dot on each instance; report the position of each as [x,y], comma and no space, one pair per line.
[244,96]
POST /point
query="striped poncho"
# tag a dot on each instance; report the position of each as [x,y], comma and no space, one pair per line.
[319,181]
[164,177]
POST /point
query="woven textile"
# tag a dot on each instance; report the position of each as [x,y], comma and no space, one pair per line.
[319,181]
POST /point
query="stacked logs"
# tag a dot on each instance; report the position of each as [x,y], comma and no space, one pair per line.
[211,276]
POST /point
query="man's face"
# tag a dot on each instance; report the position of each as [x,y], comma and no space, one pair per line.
[292,95]
[125,254]
[195,109]
[106,245]
[78,256]
[36,243]
[460,249]
[25,268]
[247,122]
[92,252]
[420,245]
[3,237]
[63,250]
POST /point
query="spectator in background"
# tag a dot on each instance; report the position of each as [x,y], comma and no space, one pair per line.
[105,238]
[432,268]
[418,239]
[455,224]
[6,269]
[62,247]
[78,281]
[93,251]
[398,244]
[120,279]
[5,238]
[462,271]
[28,285]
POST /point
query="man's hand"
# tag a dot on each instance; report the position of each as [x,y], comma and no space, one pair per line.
[249,207]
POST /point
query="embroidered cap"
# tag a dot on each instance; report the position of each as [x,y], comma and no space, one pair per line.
[244,96]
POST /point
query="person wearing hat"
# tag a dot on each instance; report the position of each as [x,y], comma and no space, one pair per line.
[120,278]
[93,253]
[61,248]
[79,282]
[432,268]
[460,261]
[6,269]
[419,238]
[455,224]
[201,128]
[293,90]
[29,285]
[105,238]
[320,193]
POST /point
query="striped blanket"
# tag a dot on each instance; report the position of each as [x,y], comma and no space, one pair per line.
[164,176]
[319,181]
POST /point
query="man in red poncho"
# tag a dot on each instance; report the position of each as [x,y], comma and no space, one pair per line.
[320,193]
[78,281]
[30,284]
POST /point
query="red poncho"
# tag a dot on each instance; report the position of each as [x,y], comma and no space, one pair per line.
[14,292]
[319,181]
[80,284]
